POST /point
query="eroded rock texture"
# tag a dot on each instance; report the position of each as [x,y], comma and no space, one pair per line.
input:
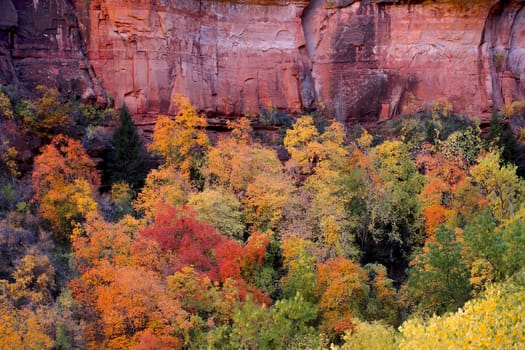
[227,58]
[362,60]
[40,44]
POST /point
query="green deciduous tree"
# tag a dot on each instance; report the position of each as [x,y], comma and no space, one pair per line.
[499,246]
[300,277]
[500,136]
[279,327]
[439,278]
[384,206]
[221,209]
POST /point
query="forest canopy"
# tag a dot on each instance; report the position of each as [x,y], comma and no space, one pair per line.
[406,236]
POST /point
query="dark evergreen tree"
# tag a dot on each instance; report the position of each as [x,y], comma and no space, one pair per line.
[500,135]
[125,160]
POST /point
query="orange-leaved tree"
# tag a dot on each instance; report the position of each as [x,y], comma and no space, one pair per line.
[343,290]
[444,177]
[64,181]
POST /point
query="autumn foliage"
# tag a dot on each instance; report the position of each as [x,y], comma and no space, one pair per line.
[338,238]
[189,242]
[64,180]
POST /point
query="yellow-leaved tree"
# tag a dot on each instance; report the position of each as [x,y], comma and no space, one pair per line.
[503,188]
[164,185]
[235,165]
[21,329]
[182,142]
[494,321]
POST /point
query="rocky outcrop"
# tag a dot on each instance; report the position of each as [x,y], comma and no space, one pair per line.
[40,44]
[502,53]
[228,58]
[373,59]
[362,60]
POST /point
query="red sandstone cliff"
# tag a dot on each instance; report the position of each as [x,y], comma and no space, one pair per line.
[40,43]
[361,59]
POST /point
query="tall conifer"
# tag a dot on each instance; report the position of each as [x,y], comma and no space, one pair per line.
[125,161]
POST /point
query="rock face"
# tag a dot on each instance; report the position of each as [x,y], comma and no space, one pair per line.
[375,59]
[227,58]
[362,60]
[40,44]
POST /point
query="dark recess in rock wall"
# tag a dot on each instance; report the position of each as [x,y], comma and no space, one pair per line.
[44,46]
[362,60]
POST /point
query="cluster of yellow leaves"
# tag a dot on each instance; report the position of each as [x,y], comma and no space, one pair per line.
[390,157]
[20,329]
[442,107]
[293,249]
[494,321]
[166,185]
[503,189]
[34,281]
[235,165]
[48,116]
[181,142]
[266,198]
[302,141]
[328,209]
[369,336]
[241,130]
[69,204]
[6,109]
[324,158]
[309,149]
[8,156]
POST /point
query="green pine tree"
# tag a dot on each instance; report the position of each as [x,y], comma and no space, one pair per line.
[501,136]
[125,162]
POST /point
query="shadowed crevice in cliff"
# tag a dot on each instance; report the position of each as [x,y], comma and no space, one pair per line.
[311,30]
[8,28]
[312,33]
[502,53]
[355,83]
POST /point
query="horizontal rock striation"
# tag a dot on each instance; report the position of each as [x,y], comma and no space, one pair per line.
[363,60]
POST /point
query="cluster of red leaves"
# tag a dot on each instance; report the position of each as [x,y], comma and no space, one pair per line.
[189,242]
